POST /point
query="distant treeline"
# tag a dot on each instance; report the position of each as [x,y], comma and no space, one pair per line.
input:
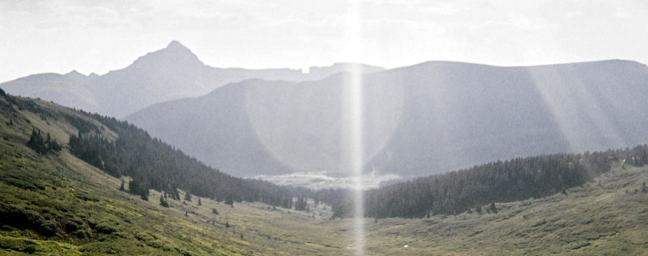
[154,164]
[466,190]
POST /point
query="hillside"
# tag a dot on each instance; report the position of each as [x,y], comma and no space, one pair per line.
[171,73]
[54,203]
[604,217]
[477,189]
[419,120]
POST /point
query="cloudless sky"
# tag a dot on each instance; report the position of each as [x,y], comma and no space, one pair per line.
[94,36]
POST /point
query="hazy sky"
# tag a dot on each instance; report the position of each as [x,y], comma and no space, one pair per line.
[98,36]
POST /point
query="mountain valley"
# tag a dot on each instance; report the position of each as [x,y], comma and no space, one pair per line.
[55,203]
[170,156]
[425,119]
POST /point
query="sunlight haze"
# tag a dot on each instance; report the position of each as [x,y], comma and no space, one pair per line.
[100,36]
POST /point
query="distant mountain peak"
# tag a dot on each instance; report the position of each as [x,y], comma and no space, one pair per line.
[176,49]
[174,55]
[177,45]
[75,75]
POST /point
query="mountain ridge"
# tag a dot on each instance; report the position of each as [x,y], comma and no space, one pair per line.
[170,73]
[435,117]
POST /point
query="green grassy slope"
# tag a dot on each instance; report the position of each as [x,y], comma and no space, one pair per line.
[71,208]
[56,204]
[594,219]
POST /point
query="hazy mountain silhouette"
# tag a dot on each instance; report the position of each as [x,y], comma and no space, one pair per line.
[423,119]
[171,73]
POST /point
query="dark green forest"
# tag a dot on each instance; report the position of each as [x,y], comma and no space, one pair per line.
[479,188]
[153,164]
[42,145]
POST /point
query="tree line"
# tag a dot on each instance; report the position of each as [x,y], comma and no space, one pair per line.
[483,185]
[41,145]
[153,164]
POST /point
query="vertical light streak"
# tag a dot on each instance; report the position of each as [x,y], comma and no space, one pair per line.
[354,52]
[357,158]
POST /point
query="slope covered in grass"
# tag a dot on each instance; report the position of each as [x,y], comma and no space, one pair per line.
[57,204]
[608,216]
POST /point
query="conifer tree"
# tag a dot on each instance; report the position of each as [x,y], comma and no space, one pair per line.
[301,204]
[174,192]
[144,196]
[492,208]
[36,142]
[229,201]
[41,145]
[163,202]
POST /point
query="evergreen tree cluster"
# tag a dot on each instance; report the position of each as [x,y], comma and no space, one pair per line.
[42,145]
[82,125]
[139,187]
[301,204]
[154,164]
[337,198]
[481,186]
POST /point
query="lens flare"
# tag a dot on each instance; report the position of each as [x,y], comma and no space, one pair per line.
[355,103]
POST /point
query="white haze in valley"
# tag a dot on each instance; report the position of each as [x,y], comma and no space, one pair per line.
[319,180]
